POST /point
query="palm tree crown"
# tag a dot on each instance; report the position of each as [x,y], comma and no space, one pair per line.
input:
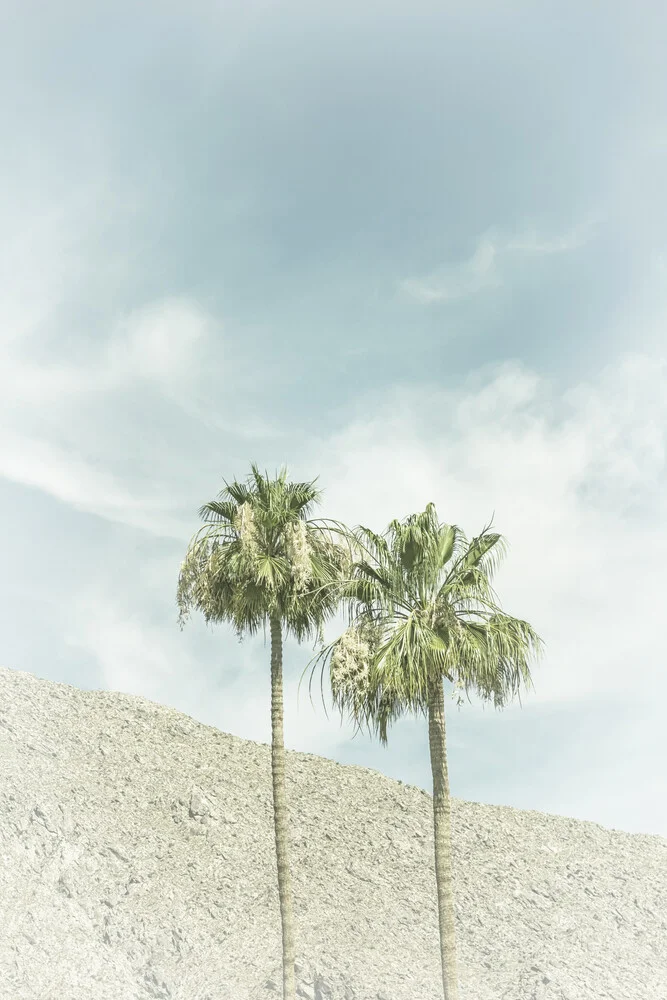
[421,607]
[259,556]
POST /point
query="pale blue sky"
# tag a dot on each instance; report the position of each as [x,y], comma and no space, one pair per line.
[416,251]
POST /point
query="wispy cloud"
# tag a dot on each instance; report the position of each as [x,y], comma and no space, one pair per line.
[85,485]
[49,411]
[530,241]
[485,268]
[460,281]
[159,343]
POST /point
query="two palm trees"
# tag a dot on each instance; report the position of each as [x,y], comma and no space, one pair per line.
[421,608]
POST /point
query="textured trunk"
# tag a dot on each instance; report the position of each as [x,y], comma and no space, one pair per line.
[443,839]
[281,819]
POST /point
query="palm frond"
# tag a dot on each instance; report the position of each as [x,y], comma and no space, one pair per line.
[219,510]
[239,493]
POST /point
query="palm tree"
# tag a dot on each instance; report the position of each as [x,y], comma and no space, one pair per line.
[259,559]
[422,609]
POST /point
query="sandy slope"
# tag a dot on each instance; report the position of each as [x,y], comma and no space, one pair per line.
[137,861]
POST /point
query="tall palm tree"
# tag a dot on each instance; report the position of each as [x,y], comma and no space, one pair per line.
[259,559]
[422,609]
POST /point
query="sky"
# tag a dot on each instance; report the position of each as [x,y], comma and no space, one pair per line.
[416,250]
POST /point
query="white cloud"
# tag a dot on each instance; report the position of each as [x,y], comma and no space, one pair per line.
[529,241]
[159,343]
[166,665]
[459,281]
[577,486]
[83,485]
[62,474]
[133,656]
[485,268]
[49,411]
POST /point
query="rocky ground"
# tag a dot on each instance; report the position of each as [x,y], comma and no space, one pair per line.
[137,861]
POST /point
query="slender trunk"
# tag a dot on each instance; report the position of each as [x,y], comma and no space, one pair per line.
[443,839]
[281,819]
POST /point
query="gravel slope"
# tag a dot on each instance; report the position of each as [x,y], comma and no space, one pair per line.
[137,862]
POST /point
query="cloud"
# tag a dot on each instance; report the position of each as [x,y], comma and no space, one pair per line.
[484,269]
[132,656]
[84,485]
[50,432]
[460,281]
[159,343]
[62,474]
[136,656]
[530,242]
[577,483]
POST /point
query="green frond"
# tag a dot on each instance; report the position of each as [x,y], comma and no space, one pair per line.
[472,557]
[261,483]
[219,510]
[368,542]
[302,497]
[446,541]
[239,493]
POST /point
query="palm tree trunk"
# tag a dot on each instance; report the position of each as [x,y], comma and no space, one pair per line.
[443,839]
[281,819]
